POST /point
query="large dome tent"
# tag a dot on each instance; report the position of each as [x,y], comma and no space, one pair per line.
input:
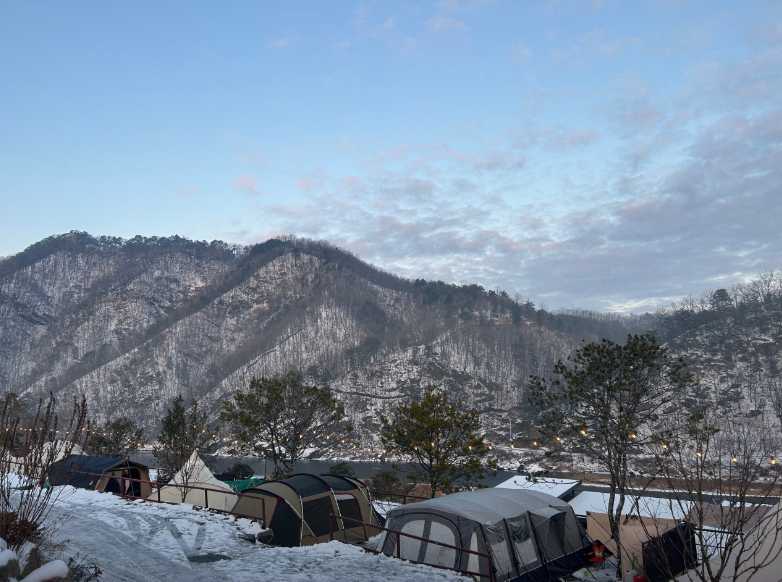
[306,509]
[521,535]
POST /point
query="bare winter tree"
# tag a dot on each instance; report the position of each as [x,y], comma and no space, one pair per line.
[184,433]
[719,469]
[605,399]
[29,445]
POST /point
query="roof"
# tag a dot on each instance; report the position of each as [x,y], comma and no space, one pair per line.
[549,485]
[85,470]
[486,506]
[596,502]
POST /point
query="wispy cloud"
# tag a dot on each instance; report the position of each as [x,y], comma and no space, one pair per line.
[247,184]
[442,23]
[279,43]
[647,233]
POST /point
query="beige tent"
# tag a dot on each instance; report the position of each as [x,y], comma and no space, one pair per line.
[189,483]
[634,532]
[766,564]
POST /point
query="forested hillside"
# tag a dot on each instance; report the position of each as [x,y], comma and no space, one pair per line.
[132,323]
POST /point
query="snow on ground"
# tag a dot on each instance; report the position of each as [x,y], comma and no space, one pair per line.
[136,540]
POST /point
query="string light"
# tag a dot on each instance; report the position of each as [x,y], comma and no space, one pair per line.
[534,443]
[774,461]
[583,432]
[559,440]
[632,436]
[733,460]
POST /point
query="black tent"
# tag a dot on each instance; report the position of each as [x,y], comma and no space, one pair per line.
[111,474]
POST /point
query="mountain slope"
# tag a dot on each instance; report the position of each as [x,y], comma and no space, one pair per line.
[132,323]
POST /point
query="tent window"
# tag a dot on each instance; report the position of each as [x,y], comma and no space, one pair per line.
[500,549]
[348,507]
[440,555]
[472,562]
[409,547]
[317,514]
[523,543]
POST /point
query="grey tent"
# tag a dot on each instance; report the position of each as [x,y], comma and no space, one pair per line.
[307,509]
[527,535]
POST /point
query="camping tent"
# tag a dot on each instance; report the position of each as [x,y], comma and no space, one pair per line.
[650,545]
[527,535]
[195,483]
[101,473]
[306,509]
[765,538]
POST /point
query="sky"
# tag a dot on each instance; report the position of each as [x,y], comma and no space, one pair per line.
[608,155]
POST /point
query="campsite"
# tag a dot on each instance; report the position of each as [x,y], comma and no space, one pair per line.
[523,528]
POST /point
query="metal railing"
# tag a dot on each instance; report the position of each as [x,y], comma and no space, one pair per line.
[397,547]
[156,486]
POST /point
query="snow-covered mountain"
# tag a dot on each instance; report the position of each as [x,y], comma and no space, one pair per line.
[132,323]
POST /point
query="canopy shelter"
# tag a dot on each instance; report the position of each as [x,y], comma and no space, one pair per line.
[111,474]
[307,509]
[527,535]
[195,483]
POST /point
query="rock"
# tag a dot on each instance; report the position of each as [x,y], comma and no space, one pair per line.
[265,537]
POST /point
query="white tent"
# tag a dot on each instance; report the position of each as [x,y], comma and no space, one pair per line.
[196,473]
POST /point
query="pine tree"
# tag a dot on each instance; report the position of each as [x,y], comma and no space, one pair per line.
[441,439]
[280,418]
[120,436]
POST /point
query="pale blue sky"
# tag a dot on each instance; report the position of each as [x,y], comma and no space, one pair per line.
[603,154]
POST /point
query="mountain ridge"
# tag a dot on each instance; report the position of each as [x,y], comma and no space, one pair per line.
[131,323]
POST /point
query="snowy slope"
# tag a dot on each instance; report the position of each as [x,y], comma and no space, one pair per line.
[145,541]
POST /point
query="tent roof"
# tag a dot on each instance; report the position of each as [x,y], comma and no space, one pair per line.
[485,506]
[555,487]
[85,470]
[339,483]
